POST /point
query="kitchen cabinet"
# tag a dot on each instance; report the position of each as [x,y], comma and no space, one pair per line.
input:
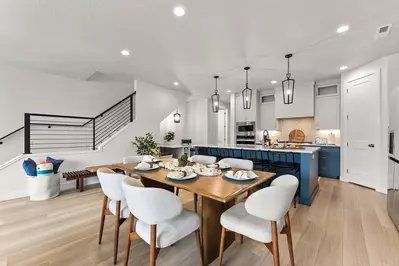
[329,161]
[267,114]
[327,112]
[247,115]
[303,105]
[327,105]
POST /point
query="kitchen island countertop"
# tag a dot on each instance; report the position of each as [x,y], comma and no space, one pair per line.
[261,147]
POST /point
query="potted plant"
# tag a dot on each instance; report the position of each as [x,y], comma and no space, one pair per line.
[169,136]
[183,160]
[146,145]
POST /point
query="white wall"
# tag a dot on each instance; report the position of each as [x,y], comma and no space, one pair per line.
[153,104]
[198,122]
[26,91]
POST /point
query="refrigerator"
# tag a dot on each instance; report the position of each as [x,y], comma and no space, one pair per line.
[393,156]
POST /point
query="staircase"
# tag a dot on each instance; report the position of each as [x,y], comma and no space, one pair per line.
[50,133]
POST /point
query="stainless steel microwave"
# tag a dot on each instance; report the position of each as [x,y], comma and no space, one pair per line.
[245,127]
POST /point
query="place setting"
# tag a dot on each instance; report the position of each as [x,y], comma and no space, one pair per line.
[146,167]
[184,175]
[240,176]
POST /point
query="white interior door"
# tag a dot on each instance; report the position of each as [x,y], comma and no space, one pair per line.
[222,127]
[362,107]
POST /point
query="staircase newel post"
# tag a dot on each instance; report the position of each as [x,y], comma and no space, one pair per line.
[27,133]
[131,108]
[94,134]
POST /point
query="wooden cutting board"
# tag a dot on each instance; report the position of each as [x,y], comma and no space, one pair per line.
[296,135]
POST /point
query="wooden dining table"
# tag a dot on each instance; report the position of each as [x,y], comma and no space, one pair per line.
[217,195]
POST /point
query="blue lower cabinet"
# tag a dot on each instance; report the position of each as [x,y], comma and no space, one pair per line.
[329,162]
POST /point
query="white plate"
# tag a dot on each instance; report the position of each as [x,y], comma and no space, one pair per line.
[208,173]
[154,167]
[251,175]
[172,176]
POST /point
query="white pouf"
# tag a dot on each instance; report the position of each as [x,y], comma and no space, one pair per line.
[44,187]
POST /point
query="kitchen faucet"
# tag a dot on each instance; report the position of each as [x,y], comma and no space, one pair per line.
[266,138]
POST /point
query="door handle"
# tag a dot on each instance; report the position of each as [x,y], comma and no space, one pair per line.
[371,145]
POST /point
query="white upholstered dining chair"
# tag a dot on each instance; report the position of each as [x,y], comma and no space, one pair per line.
[111,184]
[133,159]
[203,159]
[161,219]
[239,163]
[263,216]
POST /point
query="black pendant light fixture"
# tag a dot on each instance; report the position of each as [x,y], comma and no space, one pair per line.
[177,116]
[246,93]
[215,97]
[288,85]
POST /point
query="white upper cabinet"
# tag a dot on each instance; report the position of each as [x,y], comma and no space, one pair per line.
[267,114]
[303,105]
[327,107]
[247,115]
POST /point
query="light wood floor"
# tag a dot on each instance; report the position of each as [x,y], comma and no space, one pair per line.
[346,225]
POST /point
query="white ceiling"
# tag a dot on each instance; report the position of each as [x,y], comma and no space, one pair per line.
[77,38]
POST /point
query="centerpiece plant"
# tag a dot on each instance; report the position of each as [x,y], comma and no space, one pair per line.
[146,145]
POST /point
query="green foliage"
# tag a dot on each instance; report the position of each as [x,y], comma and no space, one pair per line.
[169,136]
[146,145]
[183,158]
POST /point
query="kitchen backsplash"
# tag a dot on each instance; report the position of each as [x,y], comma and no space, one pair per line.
[305,124]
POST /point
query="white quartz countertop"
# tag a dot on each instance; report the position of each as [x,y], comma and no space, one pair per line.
[261,147]
[311,144]
[171,146]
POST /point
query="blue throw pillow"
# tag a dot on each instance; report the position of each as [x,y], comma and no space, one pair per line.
[56,163]
[29,167]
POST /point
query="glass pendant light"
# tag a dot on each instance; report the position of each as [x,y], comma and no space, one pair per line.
[215,97]
[246,93]
[288,85]
[177,116]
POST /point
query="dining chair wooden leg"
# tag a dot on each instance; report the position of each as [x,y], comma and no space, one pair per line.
[116,231]
[153,244]
[222,237]
[177,191]
[100,236]
[276,254]
[199,246]
[289,238]
[241,239]
[128,240]
[195,202]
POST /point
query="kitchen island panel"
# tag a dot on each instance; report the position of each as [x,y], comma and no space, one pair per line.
[308,161]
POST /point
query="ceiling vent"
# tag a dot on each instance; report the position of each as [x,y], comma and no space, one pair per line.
[383,31]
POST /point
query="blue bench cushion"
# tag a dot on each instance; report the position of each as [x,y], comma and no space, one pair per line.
[56,163]
[29,166]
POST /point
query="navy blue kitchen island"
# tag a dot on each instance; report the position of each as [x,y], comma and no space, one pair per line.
[306,159]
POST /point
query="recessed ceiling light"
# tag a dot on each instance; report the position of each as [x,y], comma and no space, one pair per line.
[125,52]
[343,67]
[228,91]
[179,11]
[274,81]
[176,83]
[342,29]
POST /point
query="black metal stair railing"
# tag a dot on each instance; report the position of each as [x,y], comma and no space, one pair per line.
[48,132]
